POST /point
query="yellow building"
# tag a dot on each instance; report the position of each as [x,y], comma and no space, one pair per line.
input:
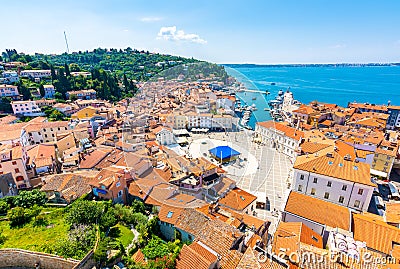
[85,113]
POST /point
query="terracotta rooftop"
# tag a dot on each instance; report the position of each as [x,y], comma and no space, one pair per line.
[336,166]
[197,255]
[319,211]
[237,199]
[377,234]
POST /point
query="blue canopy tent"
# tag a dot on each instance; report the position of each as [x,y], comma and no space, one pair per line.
[224,153]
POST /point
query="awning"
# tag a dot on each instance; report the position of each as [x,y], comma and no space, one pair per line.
[204,130]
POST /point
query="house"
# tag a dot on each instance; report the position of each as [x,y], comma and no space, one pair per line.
[49,91]
[64,142]
[93,157]
[42,158]
[164,135]
[284,138]
[379,236]
[239,200]
[197,255]
[331,177]
[10,76]
[45,132]
[319,215]
[13,159]
[33,74]
[82,94]
[289,235]
[67,187]
[85,113]
[111,184]
[66,109]
[9,91]
[26,108]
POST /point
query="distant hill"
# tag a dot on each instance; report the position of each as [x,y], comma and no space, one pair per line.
[310,65]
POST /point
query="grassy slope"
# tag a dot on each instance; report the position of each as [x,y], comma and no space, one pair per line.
[40,238]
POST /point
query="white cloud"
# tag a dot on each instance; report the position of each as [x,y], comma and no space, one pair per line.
[171,33]
[338,46]
[150,19]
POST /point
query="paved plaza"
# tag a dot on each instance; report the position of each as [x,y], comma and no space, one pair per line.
[262,171]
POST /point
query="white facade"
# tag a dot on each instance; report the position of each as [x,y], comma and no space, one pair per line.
[278,139]
[49,91]
[224,122]
[35,73]
[338,191]
[26,108]
[10,76]
[8,90]
[165,137]
[199,121]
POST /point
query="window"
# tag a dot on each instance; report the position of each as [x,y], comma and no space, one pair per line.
[45,135]
[300,188]
[314,238]
[326,195]
[301,177]
[329,184]
[315,180]
[313,191]
[344,187]
[118,184]
[341,199]
[360,191]
[16,170]
[169,215]
[357,203]
[14,163]
[120,193]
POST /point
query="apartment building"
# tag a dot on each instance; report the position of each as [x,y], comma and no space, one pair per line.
[49,91]
[26,108]
[335,179]
[9,91]
[35,73]
[13,160]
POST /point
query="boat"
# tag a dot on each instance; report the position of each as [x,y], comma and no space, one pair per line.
[266,109]
[254,98]
[273,83]
[267,92]
[280,93]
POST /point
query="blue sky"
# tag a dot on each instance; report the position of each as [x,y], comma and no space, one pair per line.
[278,31]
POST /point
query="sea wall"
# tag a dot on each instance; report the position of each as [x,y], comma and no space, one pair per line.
[18,258]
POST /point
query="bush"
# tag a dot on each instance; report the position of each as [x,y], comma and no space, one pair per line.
[28,199]
[4,206]
[156,248]
[18,216]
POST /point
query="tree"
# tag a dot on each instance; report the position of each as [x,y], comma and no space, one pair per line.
[74,67]
[84,212]
[28,199]
[5,104]
[66,67]
[138,206]
[26,93]
[41,90]
[53,73]
[156,248]
[18,216]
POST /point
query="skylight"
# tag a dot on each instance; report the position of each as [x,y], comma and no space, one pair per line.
[241,197]
[340,165]
[355,167]
[330,162]
[169,215]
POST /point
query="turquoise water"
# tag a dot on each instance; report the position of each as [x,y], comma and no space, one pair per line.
[339,85]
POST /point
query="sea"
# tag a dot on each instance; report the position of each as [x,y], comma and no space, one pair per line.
[329,84]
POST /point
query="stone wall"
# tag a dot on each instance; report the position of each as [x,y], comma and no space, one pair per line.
[28,259]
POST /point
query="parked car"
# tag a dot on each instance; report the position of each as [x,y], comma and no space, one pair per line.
[394,192]
[377,206]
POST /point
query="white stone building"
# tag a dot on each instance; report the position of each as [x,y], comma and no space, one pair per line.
[335,179]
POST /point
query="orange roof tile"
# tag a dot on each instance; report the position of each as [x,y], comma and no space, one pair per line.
[237,199]
[319,211]
[336,167]
[377,234]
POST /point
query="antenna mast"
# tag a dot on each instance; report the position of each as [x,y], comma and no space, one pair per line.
[66,41]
